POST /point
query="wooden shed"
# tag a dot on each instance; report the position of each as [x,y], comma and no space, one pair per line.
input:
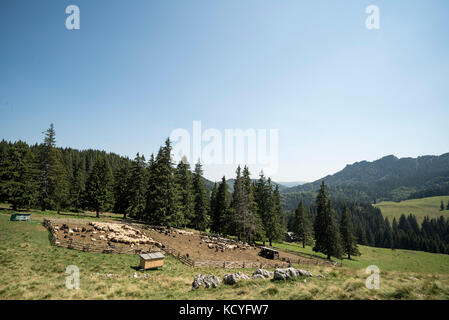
[269,253]
[151,260]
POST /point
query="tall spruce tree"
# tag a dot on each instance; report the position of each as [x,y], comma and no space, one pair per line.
[442,205]
[302,225]
[244,206]
[214,221]
[277,228]
[53,183]
[201,218]
[136,185]
[349,243]
[185,187]
[162,196]
[121,190]
[220,210]
[327,235]
[17,184]
[263,194]
[98,194]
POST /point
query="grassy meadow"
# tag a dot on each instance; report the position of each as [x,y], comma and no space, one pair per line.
[30,268]
[419,207]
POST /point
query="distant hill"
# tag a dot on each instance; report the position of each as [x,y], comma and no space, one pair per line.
[386,179]
[292,184]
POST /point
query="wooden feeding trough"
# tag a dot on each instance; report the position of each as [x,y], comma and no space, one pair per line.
[269,253]
[20,217]
[151,260]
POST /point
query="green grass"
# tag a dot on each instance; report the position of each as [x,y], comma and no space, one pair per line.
[30,268]
[385,259]
[419,207]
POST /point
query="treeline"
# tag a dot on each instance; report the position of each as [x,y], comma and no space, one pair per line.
[328,234]
[157,191]
[372,229]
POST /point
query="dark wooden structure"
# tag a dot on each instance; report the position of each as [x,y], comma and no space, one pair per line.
[269,253]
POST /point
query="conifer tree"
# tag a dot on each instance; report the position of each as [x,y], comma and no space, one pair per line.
[220,210]
[53,183]
[442,205]
[302,226]
[201,218]
[98,194]
[136,186]
[447,208]
[277,229]
[214,219]
[121,190]
[244,206]
[349,244]
[16,176]
[327,235]
[388,235]
[185,187]
[162,197]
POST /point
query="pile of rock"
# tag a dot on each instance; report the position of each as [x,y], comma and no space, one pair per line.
[201,280]
[233,278]
[262,274]
[290,273]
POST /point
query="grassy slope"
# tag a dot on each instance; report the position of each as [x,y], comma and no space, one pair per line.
[419,207]
[30,268]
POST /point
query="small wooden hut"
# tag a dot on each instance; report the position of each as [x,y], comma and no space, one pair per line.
[269,253]
[151,260]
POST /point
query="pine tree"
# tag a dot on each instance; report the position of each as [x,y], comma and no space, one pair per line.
[53,183]
[447,208]
[263,194]
[349,244]
[136,186]
[201,218]
[302,226]
[121,190]
[277,229]
[163,207]
[244,206]
[185,187]
[388,235]
[442,205]
[220,210]
[16,176]
[213,214]
[98,194]
[327,236]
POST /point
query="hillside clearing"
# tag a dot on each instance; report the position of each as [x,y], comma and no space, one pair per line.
[419,207]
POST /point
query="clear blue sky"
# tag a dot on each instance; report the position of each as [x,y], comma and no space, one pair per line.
[136,70]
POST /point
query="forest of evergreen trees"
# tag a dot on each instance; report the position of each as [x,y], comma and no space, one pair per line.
[372,229]
[160,192]
[157,191]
